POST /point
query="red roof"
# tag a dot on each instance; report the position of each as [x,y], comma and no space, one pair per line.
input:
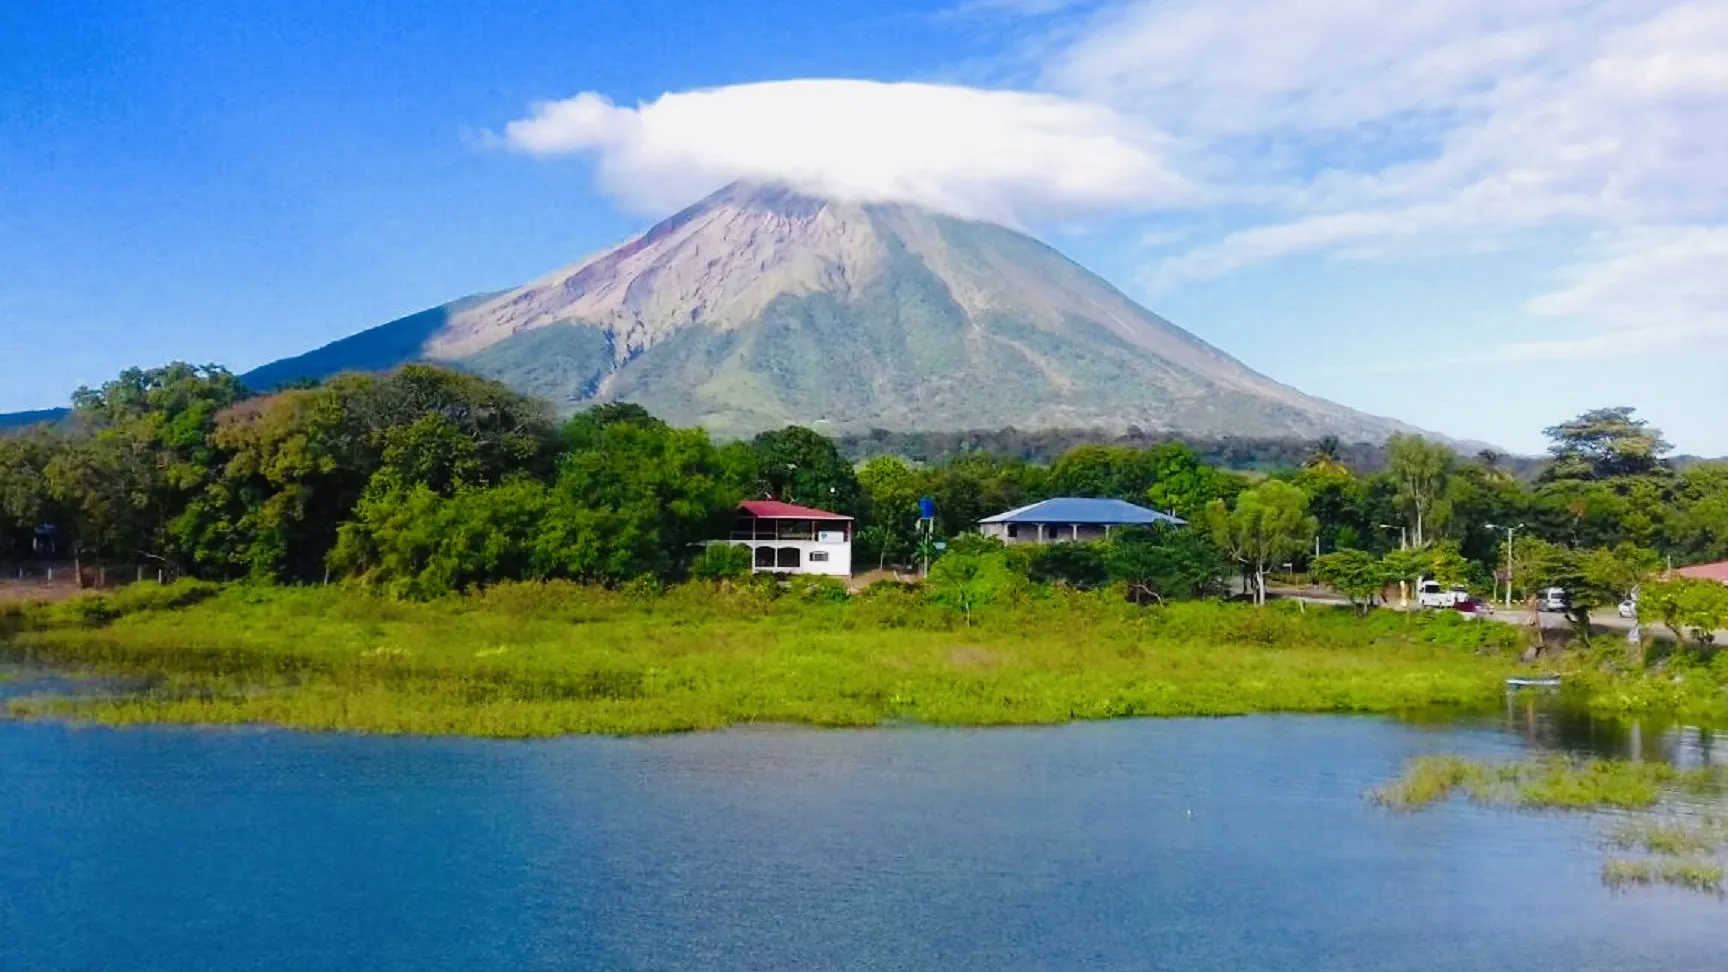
[1715,572]
[776,510]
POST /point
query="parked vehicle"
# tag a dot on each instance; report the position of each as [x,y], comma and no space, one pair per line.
[1430,594]
[1629,607]
[1553,599]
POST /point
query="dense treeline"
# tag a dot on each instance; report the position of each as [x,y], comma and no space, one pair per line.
[1044,446]
[425,481]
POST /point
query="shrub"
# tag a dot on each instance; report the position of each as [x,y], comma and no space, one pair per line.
[1079,565]
[806,587]
[966,582]
[161,597]
[722,561]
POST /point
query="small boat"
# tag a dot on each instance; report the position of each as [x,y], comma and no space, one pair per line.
[1538,681]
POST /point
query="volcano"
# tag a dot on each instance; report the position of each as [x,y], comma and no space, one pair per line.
[762,306]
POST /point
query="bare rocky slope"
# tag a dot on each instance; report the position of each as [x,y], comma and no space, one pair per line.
[760,306]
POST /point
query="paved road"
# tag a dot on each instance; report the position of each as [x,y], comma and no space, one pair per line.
[1609,621]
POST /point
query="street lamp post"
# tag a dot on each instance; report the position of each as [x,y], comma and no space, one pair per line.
[1510,532]
[1403,534]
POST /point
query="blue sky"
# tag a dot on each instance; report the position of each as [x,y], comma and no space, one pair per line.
[1480,217]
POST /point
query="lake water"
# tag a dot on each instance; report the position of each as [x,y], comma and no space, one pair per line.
[1235,844]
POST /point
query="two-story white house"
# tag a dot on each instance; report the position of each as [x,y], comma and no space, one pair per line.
[789,539]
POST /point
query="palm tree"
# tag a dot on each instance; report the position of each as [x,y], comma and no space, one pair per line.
[1325,455]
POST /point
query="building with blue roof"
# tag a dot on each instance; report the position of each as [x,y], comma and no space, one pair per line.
[1068,518]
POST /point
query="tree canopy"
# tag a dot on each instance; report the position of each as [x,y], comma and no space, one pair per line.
[1602,444]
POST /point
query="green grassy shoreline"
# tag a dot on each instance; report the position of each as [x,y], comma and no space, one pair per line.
[529,660]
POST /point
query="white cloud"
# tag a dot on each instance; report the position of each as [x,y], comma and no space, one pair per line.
[1003,155]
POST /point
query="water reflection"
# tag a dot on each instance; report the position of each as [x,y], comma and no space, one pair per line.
[1552,721]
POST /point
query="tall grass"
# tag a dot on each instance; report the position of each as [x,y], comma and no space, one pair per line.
[546,659]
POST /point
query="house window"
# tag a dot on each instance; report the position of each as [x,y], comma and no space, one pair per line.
[818,556]
[787,557]
[1013,531]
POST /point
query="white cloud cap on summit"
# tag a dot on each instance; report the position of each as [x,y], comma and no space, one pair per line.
[1007,156]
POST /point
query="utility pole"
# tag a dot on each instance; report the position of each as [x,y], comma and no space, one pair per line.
[1403,582]
[1511,531]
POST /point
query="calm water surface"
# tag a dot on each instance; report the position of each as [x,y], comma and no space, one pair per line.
[1238,844]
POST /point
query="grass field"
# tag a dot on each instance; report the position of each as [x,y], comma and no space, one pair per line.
[536,660]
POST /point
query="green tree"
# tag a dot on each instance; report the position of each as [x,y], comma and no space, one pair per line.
[1695,520]
[1592,578]
[1406,566]
[1269,524]
[1165,561]
[892,489]
[1120,472]
[1615,574]
[1419,469]
[1687,605]
[1335,497]
[1184,484]
[1603,444]
[292,467]
[966,582]
[1446,564]
[25,501]
[1356,574]
[972,486]
[798,465]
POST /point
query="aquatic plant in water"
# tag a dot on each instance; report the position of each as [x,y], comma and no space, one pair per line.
[1683,849]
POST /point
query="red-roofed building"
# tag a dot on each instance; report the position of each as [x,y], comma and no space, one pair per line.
[788,539]
[1717,572]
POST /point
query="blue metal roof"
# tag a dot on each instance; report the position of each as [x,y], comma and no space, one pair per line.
[1075,509]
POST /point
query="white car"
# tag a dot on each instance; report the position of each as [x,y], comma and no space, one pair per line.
[1552,599]
[1629,608]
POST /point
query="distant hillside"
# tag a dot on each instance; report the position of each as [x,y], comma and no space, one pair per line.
[378,349]
[18,420]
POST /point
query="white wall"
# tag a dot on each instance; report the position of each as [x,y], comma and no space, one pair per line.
[838,564]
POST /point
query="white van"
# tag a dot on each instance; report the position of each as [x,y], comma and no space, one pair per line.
[1430,594]
[1553,599]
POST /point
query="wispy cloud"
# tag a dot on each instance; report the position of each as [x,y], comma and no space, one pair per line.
[1368,128]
